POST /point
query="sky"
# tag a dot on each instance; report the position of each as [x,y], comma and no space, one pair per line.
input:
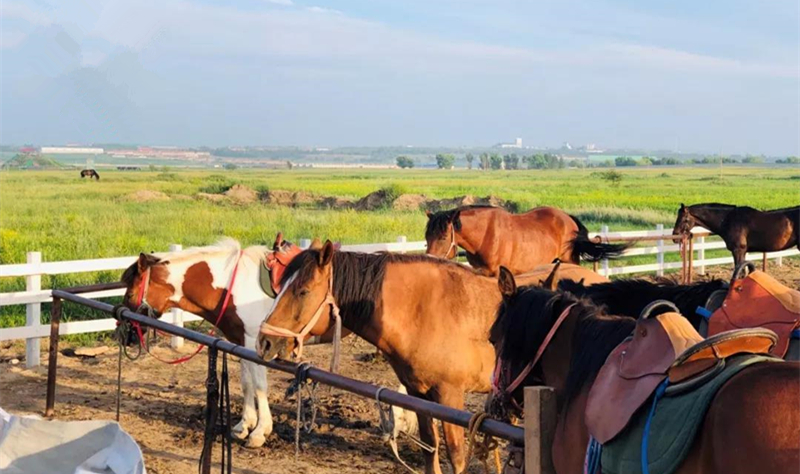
[707,76]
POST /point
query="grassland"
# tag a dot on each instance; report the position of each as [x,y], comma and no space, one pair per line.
[66,218]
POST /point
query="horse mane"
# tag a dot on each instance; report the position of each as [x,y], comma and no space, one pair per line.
[438,221]
[713,205]
[526,318]
[627,296]
[357,278]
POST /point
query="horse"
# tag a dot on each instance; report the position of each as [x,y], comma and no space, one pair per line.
[752,425]
[91,174]
[628,297]
[429,316]
[493,237]
[743,228]
[197,280]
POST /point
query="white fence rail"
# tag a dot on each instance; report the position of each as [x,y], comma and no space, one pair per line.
[34,295]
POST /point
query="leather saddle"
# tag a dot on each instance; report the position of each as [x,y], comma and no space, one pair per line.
[758,300]
[661,346]
[274,265]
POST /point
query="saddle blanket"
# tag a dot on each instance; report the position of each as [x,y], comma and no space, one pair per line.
[674,426]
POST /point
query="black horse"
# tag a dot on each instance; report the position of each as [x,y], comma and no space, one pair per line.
[91,174]
[743,228]
[628,297]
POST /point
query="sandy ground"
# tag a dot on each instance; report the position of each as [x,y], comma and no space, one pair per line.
[162,406]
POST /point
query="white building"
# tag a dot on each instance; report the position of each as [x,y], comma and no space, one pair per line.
[69,150]
[517,144]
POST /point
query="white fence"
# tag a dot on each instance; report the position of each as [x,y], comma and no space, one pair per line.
[34,295]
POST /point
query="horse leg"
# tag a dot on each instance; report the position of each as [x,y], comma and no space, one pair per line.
[259,434]
[453,435]
[242,429]
[429,435]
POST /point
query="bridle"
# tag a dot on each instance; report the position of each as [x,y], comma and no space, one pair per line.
[452,242]
[499,370]
[298,337]
[142,304]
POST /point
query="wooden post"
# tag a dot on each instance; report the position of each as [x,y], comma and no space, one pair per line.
[701,255]
[402,240]
[33,313]
[176,342]
[764,262]
[660,256]
[779,260]
[604,238]
[540,428]
[52,362]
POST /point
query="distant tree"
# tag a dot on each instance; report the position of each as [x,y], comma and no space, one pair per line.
[470,159]
[445,161]
[511,162]
[405,162]
[289,164]
[753,159]
[624,161]
[152,167]
[229,166]
[165,169]
[645,161]
[790,160]
[613,177]
[485,162]
[496,162]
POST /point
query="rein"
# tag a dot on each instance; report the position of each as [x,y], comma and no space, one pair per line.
[142,304]
[329,300]
[527,370]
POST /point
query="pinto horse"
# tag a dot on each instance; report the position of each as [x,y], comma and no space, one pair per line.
[429,316]
[493,237]
[196,280]
[743,228]
[752,425]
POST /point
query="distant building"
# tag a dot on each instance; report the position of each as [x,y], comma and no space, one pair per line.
[69,150]
[517,144]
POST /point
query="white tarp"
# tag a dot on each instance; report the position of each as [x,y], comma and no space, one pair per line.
[29,445]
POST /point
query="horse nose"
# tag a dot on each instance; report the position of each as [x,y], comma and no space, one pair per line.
[264,346]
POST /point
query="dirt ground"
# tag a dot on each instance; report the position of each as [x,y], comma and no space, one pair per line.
[162,406]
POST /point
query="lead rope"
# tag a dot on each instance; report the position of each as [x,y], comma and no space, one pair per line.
[226,447]
[481,449]
[305,419]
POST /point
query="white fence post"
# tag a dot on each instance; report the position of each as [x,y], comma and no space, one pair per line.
[660,256]
[779,260]
[176,342]
[33,313]
[701,254]
[603,238]
[402,240]
[305,243]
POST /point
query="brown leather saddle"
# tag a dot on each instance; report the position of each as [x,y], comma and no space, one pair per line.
[755,299]
[661,346]
[274,265]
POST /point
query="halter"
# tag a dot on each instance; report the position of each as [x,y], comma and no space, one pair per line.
[143,304]
[527,370]
[329,299]
[452,242]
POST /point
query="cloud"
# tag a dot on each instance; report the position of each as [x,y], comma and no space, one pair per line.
[329,11]
[280,2]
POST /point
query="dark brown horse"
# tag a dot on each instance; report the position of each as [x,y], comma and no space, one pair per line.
[493,237]
[743,228]
[430,317]
[752,425]
[90,174]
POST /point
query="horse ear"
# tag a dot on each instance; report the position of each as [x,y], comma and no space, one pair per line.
[145,261]
[683,206]
[316,244]
[551,283]
[456,220]
[278,241]
[326,254]
[506,283]
[428,213]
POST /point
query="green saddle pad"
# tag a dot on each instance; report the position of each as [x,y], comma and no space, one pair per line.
[673,429]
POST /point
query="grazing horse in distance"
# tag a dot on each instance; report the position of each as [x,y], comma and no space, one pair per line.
[743,228]
[429,316]
[752,425]
[196,280]
[90,174]
[493,237]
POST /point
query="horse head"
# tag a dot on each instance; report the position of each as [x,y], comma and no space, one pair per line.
[440,233]
[303,306]
[148,290]
[683,224]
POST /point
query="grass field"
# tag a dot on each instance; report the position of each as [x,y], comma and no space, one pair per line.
[67,218]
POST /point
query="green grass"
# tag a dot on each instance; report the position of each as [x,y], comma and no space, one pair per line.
[67,218]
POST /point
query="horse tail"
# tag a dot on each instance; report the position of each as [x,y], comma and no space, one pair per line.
[591,251]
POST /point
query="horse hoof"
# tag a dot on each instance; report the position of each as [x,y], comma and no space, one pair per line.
[255,441]
[239,431]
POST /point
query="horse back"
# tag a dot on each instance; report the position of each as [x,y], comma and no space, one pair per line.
[753,424]
[764,231]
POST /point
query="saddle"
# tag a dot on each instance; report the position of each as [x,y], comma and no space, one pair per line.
[758,300]
[274,265]
[661,347]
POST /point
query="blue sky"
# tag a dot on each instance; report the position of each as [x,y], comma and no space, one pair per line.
[711,76]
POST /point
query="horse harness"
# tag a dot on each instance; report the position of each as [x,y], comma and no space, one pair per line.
[452,242]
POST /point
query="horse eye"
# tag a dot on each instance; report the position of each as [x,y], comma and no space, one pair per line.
[303,292]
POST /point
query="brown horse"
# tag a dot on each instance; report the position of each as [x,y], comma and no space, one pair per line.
[743,228]
[430,317]
[493,237]
[90,174]
[752,425]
